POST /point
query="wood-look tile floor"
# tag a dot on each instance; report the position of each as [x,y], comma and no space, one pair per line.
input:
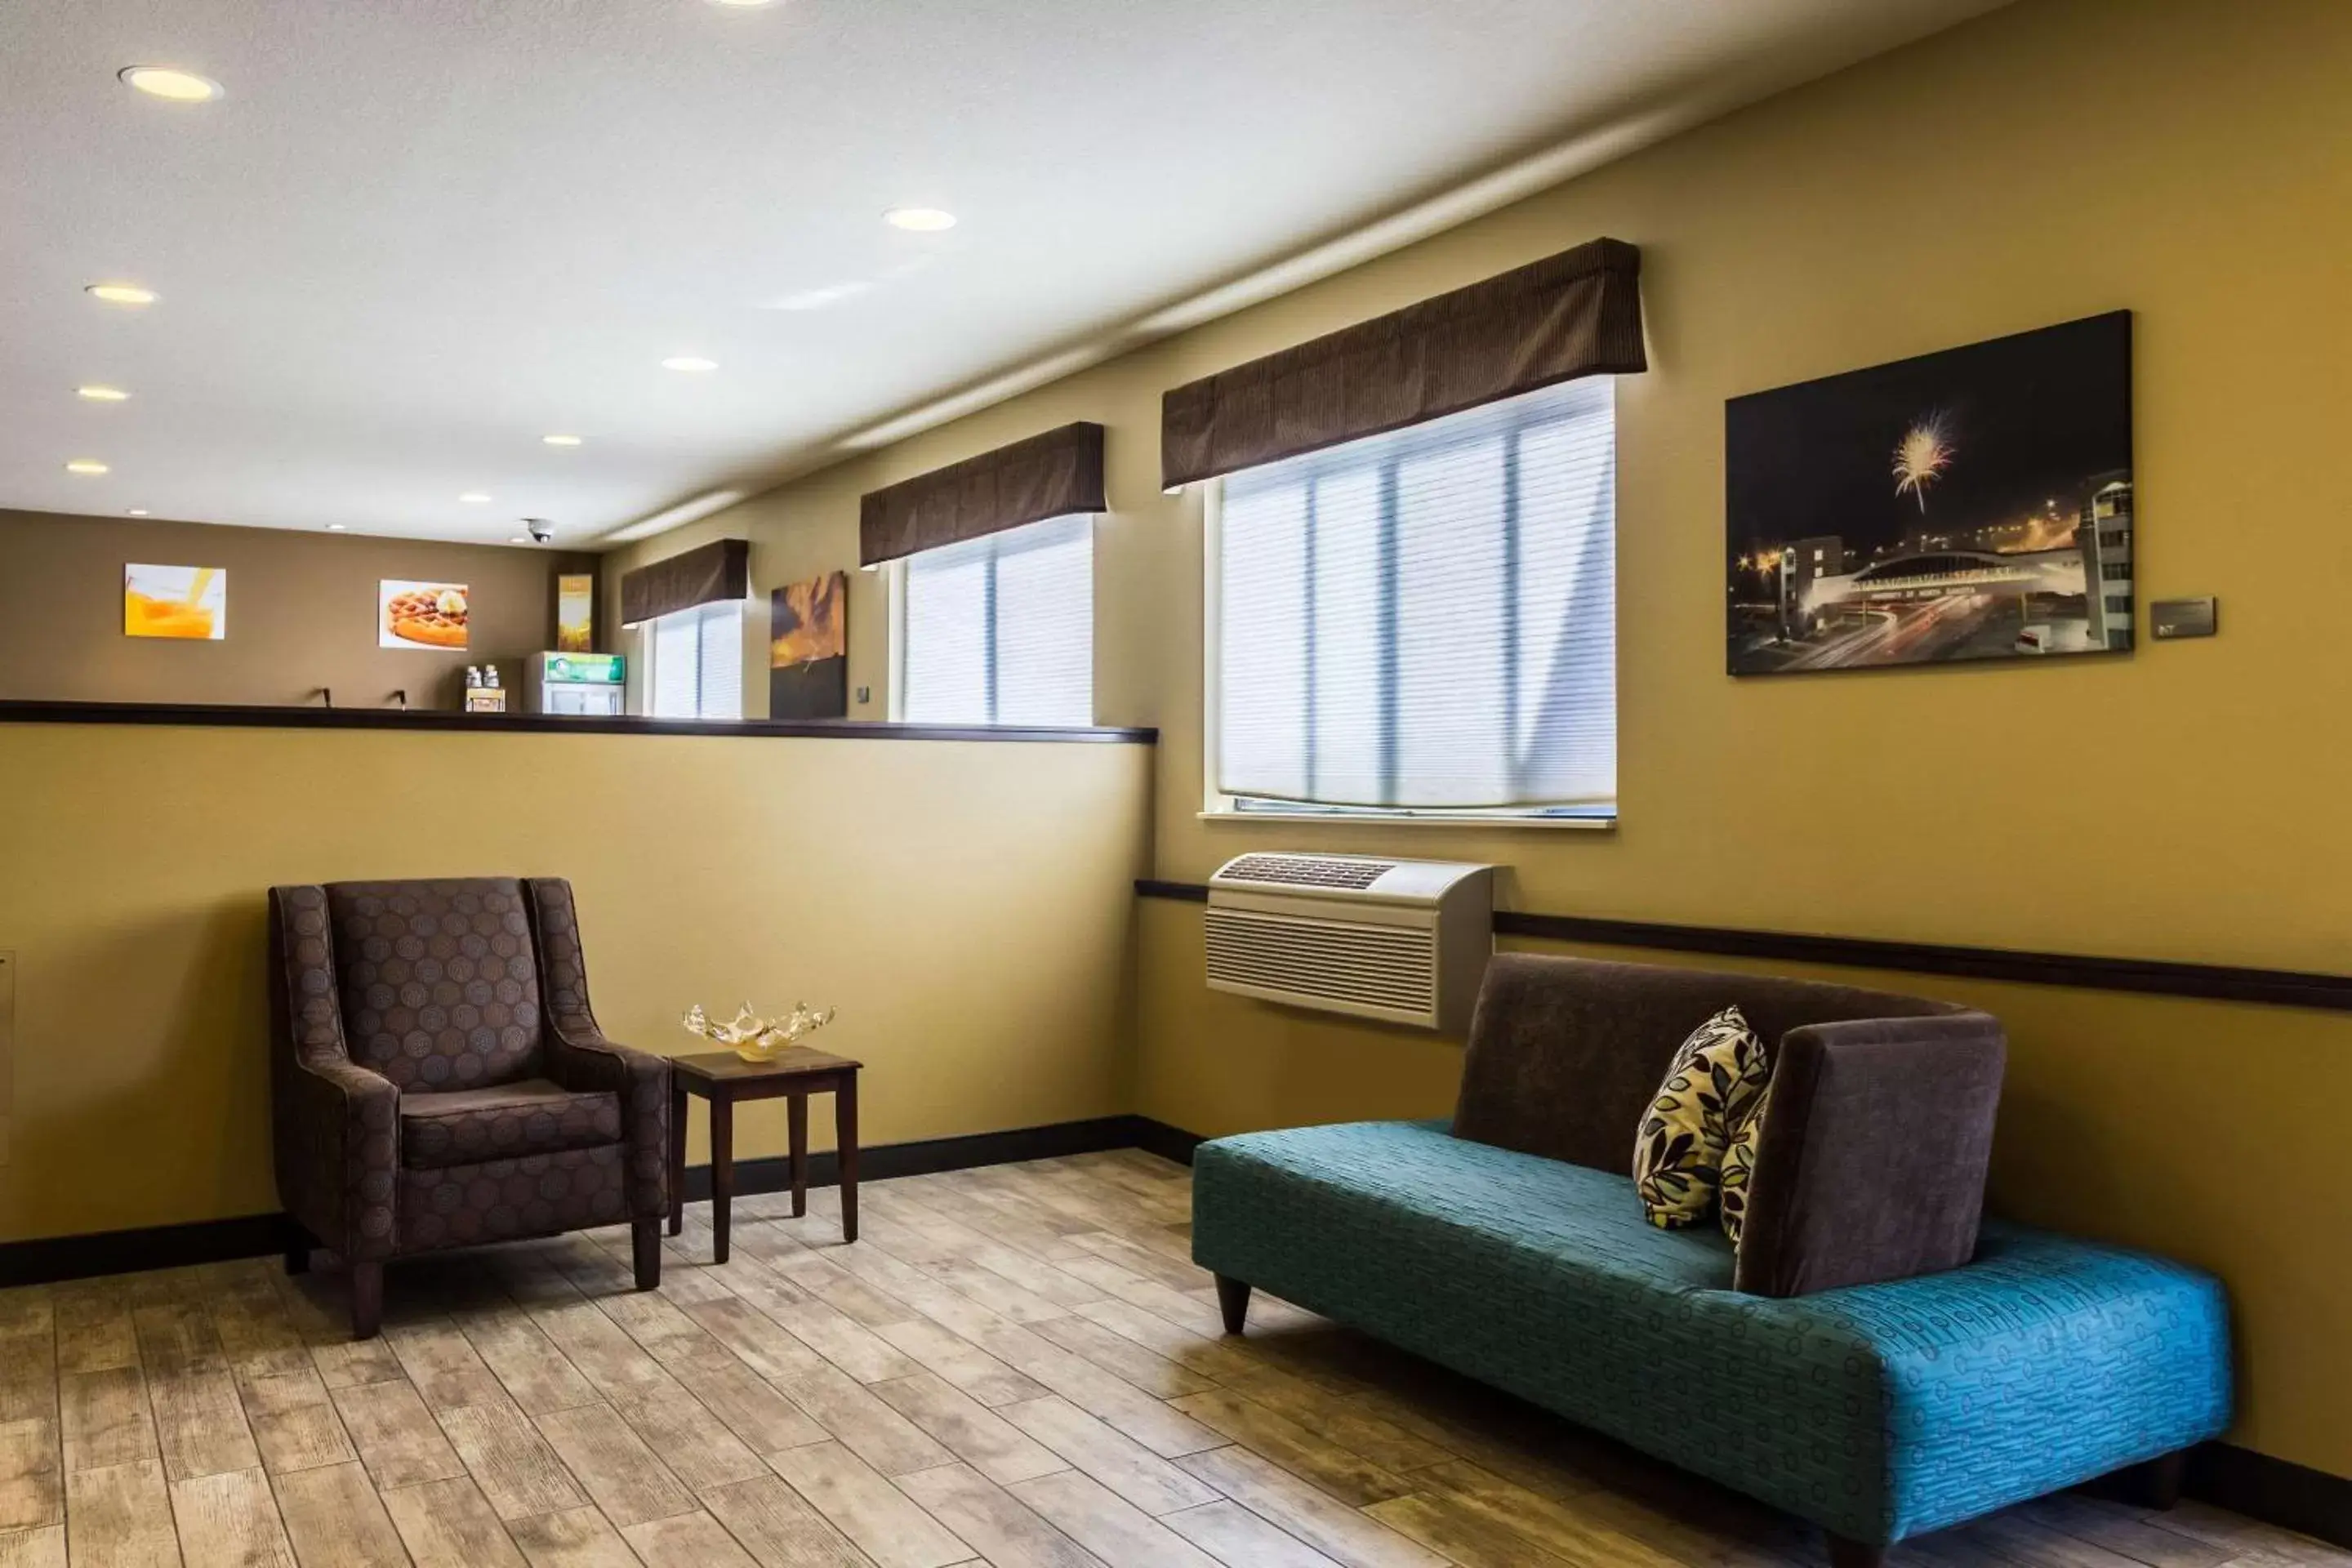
[1018,1366]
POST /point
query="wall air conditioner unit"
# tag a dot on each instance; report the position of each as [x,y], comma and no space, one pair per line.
[1403,940]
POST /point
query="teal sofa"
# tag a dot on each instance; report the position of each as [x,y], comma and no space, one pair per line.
[1879,1407]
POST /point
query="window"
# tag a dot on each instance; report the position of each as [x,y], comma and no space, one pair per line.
[1424,622]
[1000,630]
[695,662]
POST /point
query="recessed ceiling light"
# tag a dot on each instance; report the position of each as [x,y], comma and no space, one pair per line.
[86,466]
[525,539]
[560,440]
[474,497]
[136,511]
[920,220]
[102,394]
[122,293]
[168,81]
[334,528]
[689,361]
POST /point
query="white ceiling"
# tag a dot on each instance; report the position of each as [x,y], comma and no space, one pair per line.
[415,235]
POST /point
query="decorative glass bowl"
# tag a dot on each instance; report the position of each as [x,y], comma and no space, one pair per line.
[758,1039]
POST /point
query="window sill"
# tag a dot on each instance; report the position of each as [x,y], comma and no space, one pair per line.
[1412,819]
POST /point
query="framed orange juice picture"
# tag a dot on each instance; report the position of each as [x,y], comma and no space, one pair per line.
[187,602]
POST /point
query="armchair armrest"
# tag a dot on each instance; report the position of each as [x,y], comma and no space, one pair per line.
[339,1154]
[1872,1161]
[336,1123]
[579,1056]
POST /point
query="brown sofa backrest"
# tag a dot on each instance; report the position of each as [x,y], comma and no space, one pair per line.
[1566,1053]
[438,979]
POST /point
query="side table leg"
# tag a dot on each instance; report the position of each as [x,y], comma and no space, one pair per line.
[796,1125]
[677,1158]
[844,1125]
[723,1167]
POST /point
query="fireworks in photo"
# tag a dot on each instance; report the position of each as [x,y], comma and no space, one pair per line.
[1922,456]
[2006,529]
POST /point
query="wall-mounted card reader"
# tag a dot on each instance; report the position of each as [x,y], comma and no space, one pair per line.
[2169,619]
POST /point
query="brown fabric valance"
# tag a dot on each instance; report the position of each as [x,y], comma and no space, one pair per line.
[1577,313]
[703,576]
[1052,475]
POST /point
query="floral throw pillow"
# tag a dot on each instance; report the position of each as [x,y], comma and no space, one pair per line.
[1708,1093]
[1739,1165]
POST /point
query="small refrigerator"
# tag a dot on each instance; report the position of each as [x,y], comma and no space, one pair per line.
[589,685]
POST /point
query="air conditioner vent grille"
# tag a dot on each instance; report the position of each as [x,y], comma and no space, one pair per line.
[1391,969]
[1307,871]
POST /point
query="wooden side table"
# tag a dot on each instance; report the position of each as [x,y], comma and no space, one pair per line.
[724,1078]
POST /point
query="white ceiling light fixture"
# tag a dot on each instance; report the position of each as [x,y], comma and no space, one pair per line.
[525,539]
[90,466]
[101,394]
[475,498]
[692,363]
[136,511]
[170,83]
[120,293]
[560,440]
[334,528]
[919,220]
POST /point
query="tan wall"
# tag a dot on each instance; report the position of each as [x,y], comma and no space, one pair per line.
[2188,161]
[966,907]
[301,614]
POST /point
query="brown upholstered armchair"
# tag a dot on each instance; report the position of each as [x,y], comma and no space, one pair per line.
[437,1079]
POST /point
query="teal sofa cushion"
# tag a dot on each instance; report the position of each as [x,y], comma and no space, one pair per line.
[1878,1411]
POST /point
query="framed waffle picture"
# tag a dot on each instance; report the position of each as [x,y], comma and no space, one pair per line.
[430,615]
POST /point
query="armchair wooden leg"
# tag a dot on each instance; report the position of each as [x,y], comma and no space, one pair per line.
[367,1298]
[1233,1300]
[645,1238]
[1844,1553]
[298,1253]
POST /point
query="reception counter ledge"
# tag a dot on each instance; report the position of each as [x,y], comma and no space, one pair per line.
[228,716]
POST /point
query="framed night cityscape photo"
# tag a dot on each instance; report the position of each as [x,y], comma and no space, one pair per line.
[1971,504]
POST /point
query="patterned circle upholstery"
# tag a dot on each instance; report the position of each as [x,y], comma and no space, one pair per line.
[440,989]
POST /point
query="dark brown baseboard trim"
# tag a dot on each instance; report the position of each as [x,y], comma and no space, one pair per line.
[52,1258]
[772,1173]
[55,1258]
[2219,983]
[2276,1491]
[246,717]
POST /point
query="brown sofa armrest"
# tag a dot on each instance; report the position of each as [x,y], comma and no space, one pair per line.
[579,1058]
[1872,1162]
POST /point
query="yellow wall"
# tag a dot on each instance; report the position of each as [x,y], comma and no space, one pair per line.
[965,906]
[2190,161]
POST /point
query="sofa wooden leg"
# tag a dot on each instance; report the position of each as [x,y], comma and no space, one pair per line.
[645,1238]
[2157,1484]
[367,1298]
[1844,1553]
[1233,1300]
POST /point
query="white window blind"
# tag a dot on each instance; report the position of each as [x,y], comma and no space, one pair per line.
[697,662]
[1000,630]
[1426,620]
